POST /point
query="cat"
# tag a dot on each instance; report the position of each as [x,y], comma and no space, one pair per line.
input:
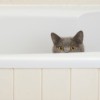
[68,44]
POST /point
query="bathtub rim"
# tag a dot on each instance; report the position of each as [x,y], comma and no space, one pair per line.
[73,60]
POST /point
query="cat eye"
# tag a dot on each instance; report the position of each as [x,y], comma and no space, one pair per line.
[60,48]
[72,48]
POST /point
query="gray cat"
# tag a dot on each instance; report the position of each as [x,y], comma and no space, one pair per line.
[68,44]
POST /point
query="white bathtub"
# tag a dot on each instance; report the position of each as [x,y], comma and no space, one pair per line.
[25,40]
[28,68]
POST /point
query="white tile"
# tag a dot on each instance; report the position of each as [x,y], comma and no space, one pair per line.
[6,84]
[84,84]
[27,84]
[56,84]
[5,2]
[82,2]
[40,1]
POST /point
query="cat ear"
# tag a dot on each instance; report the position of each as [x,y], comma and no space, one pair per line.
[78,37]
[55,38]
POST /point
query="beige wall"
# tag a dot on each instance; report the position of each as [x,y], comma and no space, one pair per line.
[49,1]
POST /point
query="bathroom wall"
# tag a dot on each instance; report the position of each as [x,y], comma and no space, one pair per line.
[68,2]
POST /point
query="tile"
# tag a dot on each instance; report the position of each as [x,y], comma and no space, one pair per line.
[56,84]
[84,84]
[27,84]
[6,84]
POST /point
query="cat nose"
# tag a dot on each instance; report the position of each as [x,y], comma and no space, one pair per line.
[66,50]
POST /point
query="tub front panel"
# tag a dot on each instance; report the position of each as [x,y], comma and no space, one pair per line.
[27,84]
[84,84]
[6,84]
[56,84]
[49,84]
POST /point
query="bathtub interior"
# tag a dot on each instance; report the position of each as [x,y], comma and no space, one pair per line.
[32,34]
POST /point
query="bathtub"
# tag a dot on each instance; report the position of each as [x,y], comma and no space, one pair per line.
[28,68]
[25,38]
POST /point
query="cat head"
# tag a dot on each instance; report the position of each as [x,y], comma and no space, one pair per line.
[68,44]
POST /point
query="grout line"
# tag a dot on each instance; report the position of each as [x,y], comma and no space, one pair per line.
[98,83]
[41,84]
[13,84]
[70,82]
